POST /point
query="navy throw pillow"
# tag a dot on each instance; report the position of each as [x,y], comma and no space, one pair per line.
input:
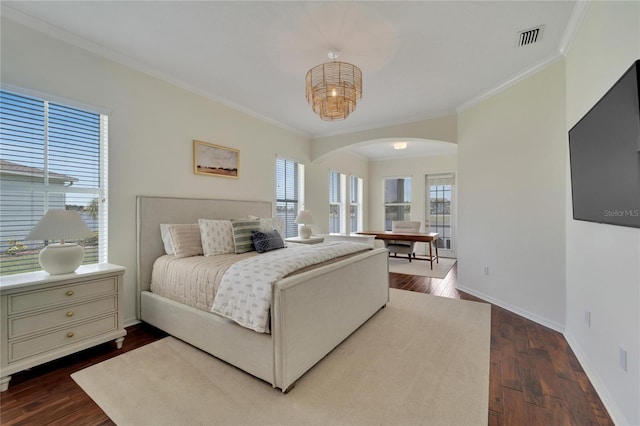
[266,241]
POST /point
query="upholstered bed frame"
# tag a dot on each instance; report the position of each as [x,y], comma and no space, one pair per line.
[311,312]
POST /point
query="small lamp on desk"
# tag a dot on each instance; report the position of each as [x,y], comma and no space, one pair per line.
[62,258]
[304,218]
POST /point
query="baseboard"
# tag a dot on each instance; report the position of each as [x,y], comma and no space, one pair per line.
[516,310]
[601,389]
[130,322]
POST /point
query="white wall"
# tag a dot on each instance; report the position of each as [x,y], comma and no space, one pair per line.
[438,129]
[512,153]
[317,175]
[603,261]
[151,128]
[416,168]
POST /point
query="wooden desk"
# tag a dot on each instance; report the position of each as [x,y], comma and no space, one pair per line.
[431,238]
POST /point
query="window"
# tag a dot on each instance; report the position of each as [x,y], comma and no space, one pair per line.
[355,204]
[397,200]
[336,202]
[52,156]
[440,199]
[289,193]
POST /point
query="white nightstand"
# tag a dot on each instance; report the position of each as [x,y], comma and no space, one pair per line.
[311,240]
[44,317]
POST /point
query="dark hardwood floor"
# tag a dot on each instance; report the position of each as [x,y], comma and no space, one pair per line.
[535,379]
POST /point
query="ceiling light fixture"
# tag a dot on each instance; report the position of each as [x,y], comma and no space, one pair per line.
[400,145]
[334,88]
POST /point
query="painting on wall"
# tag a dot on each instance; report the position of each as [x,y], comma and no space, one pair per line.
[215,160]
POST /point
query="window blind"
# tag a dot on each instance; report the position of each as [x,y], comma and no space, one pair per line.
[335,208]
[288,177]
[355,209]
[52,156]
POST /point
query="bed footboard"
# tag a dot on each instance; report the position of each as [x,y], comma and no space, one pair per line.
[222,338]
[313,312]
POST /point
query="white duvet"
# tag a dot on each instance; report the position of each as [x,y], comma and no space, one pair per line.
[244,295]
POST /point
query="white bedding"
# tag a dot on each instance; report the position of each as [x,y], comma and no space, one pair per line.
[244,294]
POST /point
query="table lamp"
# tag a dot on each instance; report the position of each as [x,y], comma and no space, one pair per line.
[61,258]
[304,218]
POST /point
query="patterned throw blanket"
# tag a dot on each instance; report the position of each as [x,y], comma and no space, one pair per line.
[244,295]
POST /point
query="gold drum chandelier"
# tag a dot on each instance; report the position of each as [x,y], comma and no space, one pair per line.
[334,88]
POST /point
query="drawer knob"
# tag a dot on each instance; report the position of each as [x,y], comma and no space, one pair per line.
[70,335]
[70,293]
[70,314]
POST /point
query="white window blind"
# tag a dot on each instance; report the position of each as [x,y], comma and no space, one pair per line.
[289,183]
[52,156]
[335,202]
[355,203]
[397,200]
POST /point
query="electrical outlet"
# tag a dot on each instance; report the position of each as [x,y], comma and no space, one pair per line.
[623,358]
[485,270]
[587,317]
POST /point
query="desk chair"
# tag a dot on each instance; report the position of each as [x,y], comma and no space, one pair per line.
[404,247]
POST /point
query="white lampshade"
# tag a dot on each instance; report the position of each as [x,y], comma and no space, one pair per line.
[304,218]
[60,225]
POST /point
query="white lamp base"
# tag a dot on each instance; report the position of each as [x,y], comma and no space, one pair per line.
[304,232]
[61,258]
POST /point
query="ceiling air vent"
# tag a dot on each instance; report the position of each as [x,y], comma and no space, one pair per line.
[530,36]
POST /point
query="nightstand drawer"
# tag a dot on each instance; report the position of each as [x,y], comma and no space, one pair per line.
[28,301]
[66,336]
[21,326]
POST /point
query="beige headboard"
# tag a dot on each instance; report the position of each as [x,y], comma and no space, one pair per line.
[152,211]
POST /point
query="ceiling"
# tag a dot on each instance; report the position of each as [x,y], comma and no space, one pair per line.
[419,59]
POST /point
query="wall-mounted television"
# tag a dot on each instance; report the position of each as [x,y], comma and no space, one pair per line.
[604,149]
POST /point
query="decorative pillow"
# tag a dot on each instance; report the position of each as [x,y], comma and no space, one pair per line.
[242,234]
[272,223]
[266,241]
[217,236]
[166,239]
[186,239]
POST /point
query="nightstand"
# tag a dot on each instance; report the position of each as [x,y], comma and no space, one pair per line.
[45,317]
[311,240]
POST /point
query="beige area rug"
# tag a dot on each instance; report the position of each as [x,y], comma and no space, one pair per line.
[421,360]
[401,265]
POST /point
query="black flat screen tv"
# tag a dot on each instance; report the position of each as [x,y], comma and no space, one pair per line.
[604,149]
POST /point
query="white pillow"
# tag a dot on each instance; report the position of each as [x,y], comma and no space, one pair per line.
[166,239]
[268,224]
[217,236]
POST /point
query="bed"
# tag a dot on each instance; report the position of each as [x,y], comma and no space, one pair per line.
[311,312]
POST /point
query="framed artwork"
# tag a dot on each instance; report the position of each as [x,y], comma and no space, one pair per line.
[215,160]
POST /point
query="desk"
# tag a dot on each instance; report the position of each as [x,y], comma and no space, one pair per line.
[430,238]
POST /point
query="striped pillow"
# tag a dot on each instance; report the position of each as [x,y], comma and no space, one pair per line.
[242,230]
[186,239]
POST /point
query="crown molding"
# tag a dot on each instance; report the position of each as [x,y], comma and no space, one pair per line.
[575,20]
[97,49]
[510,82]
